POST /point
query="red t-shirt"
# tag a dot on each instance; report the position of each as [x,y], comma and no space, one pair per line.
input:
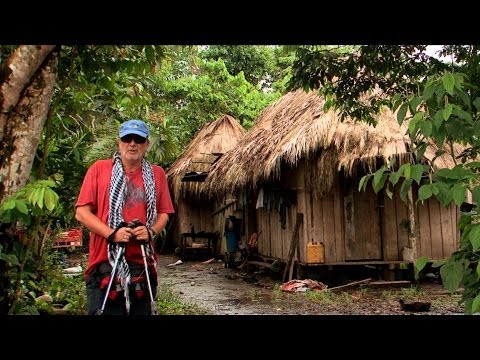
[95,191]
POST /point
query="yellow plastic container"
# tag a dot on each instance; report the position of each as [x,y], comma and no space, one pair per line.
[315,252]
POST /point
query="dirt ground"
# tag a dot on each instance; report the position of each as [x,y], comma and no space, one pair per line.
[224,291]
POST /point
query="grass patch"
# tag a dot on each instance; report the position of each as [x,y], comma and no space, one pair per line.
[169,303]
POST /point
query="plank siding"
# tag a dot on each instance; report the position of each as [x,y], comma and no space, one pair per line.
[389,229]
[424,229]
[435,229]
[401,221]
[346,220]
[447,230]
[328,228]
[374,247]
[339,225]
[302,207]
[349,213]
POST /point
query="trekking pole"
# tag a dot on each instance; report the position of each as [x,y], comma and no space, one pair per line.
[153,306]
[121,249]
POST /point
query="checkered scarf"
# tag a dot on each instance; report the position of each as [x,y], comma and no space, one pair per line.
[118,188]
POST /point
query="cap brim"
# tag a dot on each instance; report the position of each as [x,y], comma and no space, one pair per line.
[136,132]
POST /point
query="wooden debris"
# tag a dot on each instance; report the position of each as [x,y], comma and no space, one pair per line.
[350,284]
[398,283]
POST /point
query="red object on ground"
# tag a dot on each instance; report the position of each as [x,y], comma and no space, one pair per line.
[70,238]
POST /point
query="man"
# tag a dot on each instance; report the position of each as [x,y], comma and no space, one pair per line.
[124,202]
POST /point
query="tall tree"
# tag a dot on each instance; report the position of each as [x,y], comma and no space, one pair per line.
[256,62]
[27,81]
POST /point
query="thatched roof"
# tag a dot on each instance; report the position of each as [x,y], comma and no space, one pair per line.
[213,140]
[296,127]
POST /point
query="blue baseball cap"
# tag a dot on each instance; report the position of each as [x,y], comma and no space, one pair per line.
[137,127]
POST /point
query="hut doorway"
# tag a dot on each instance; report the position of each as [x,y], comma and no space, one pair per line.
[362,224]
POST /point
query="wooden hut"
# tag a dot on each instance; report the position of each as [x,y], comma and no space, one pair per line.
[194,223]
[298,159]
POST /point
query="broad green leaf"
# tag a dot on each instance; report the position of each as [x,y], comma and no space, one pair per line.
[426,127]
[457,173]
[438,119]
[380,184]
[462,114]
[51,199]
[378,176]
[9,204]
[395,176]
[478,269]
[476,103]
[417,172]
[459,193]
[448,82]
[424,192]
[476,304]
[440,136]
[428,92]
[414,103]
[465,98]
[21,206]
[420,263]
[473,165]
[447,112]
[438,263]
[414,122]
[476,194]
[10,258]
[474,237]
[363,182]
[407,171]
[401,113]
[41,198]
[396,101]
[444,195]
[451,274]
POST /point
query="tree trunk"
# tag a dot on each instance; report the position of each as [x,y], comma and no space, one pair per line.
[413,231]
[25,99]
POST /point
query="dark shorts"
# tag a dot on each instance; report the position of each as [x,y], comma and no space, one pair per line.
[138,291]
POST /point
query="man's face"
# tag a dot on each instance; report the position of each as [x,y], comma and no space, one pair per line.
[133,147]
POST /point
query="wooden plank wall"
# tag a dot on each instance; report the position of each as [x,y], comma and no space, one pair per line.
[439,236]
[323,222]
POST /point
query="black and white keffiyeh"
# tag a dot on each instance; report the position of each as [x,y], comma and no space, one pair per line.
[118,192]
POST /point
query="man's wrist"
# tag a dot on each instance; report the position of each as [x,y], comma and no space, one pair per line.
[152,232]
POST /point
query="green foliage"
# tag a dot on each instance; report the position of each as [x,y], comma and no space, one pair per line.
[35,199]
[255,62]
[30,276]
[196,100]
[419,266]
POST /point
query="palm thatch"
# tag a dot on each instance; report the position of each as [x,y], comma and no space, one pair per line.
[210,142]
[296,127]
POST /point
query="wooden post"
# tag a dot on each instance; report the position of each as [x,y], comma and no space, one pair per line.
[293,247]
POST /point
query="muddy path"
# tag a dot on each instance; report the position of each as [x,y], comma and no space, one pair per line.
[223,291]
